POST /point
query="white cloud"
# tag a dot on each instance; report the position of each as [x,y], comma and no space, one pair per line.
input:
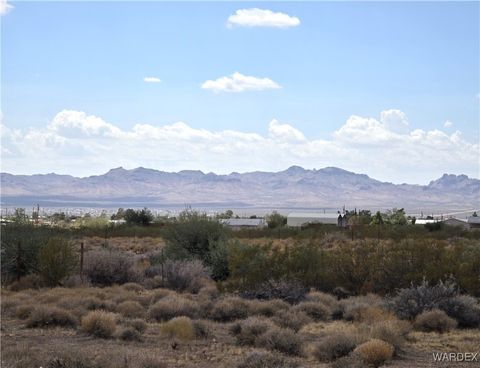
[238,82]
[81,144]
[152,80]
[255,17]
[285,132]
[448,124]
[5,7]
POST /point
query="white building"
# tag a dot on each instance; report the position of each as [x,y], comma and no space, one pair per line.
[242,223]
[298,219]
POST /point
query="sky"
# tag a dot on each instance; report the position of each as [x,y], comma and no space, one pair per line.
[391,90]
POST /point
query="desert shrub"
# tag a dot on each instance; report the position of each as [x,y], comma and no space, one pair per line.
[49,316]
[133,286]
[410,302]
[375,352]
[179,327]
[434,320]
[201,329]
[138,324]
[209,292]
[31,281]
[335,345]
[368,314]
[129,334]
[105,268]
[257,359]
[393,331]
[291,291]
[352,360]
[323,298]
[465,309]
[24,311]
[196,236]
[247,331]
[267,308]
[90,303]
[160,294]
[294,320]
[56,260]
[173,306]
[188,276]
[317,311]
[131,309]
[229,309]
[99,323]
[281,339]
[354,307]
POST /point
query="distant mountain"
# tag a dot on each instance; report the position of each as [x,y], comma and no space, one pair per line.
[295,187]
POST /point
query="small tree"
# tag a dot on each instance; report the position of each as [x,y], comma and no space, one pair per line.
[275,220]
[56,261]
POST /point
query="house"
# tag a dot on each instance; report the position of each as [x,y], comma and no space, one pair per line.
[243,223]
[297,219]
[456,222]
[473,222]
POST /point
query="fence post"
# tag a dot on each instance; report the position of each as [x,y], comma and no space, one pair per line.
[81,261]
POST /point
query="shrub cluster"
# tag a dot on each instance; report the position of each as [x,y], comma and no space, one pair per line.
[49,316]
[434,320]
[105,268]
[173,306]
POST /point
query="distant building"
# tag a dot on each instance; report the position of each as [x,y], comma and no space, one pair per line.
[425,221]
[456,222]
[474,222]
[242,223]
[297,219]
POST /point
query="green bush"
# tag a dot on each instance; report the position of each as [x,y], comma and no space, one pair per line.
[56,261]
[196,236]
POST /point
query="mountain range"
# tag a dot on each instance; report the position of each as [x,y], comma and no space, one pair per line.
[295,187]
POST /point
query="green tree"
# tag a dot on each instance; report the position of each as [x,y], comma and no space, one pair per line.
[275,220]
[56,261]
[196,236]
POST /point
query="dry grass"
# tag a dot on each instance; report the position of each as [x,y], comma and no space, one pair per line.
[316,310]
[283,340]
[131,309]
[229,309]
[99,324]
[179,327]
[375,352]
[171,307]
[51,316]
[434,321]
[249,330]
[294,320]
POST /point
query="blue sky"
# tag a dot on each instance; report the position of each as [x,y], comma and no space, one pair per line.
[342,59]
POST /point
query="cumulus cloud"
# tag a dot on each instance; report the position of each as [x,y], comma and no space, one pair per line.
[5,7]
[255,17]
[152,80]
[448,124]
[77,143]
[238,82]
